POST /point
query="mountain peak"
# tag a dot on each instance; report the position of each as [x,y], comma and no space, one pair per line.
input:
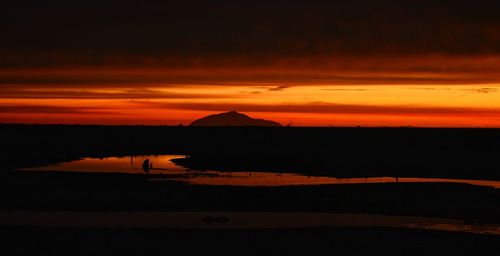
[232,112]
[232,118]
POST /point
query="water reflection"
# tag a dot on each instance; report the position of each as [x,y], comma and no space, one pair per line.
[161,164]
[233,220]
[272,179]
[132,164]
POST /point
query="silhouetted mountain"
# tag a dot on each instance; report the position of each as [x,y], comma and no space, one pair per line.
[232,118]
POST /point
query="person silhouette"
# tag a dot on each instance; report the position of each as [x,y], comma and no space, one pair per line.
[146,166]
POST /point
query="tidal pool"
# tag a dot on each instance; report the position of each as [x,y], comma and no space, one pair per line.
[162,164]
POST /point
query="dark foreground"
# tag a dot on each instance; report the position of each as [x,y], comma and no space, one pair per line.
[307,241]
[136,192]
[129,192]
[338,152]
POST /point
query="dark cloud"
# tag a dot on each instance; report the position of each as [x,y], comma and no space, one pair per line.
[54,33]
[328,108]
[279,88]
[16,93]
[482,90]
[44,109]
[469,72]
[347,89]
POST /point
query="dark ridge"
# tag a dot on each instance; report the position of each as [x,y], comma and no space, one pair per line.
[232,118]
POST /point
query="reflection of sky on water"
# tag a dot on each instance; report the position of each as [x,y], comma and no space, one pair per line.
[163,165]
[131,164]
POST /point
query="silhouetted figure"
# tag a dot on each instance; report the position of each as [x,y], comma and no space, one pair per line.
[146,166]
[151,165]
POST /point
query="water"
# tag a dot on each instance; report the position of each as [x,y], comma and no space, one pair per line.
[167,170]
[162,165]
[233,220]
[131,164]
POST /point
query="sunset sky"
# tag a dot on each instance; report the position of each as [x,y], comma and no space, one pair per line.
[312,63]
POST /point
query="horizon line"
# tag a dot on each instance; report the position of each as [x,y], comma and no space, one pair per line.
[248,126]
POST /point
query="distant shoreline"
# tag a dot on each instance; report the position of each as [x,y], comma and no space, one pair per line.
[243,127]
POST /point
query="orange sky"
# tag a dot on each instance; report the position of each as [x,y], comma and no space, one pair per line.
[313,63]
[422,92]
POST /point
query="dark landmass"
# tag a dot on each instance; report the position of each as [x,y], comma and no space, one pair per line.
[233,118]
[306,241]
[340,152]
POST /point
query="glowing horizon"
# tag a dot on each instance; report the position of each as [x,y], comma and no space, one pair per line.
[313,63]
[172,97]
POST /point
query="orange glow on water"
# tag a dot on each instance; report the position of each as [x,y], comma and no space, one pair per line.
[162,165]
